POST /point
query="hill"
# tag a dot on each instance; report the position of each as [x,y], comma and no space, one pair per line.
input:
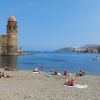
[89,48]
[67,49]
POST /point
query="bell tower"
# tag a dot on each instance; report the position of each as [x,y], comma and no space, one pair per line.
[12,32]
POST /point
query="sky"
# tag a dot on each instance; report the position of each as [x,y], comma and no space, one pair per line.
[53,24]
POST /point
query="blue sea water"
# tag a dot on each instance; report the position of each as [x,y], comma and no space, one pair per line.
[73,62]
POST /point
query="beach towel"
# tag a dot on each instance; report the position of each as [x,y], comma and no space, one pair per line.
[78,86]
[81,86]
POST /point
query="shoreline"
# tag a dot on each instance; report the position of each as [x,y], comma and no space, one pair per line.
[48,71]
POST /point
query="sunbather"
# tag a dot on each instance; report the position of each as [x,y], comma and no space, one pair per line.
[69,82]
[81,73]
[3,75]
[65,72]
[35,70]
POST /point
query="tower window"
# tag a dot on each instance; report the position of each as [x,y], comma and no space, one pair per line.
[9,27]
[14,28]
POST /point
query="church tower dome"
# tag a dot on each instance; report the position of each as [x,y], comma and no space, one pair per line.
[12,18]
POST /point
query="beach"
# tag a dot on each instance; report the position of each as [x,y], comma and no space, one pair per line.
[26,85]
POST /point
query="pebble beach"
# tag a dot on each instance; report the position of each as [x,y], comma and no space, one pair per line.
[26,85]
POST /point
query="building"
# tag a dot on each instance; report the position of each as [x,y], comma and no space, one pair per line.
[9,41]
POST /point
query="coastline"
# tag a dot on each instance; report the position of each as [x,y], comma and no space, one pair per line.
[26,85]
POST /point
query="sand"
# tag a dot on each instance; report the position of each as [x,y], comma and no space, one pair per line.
[26,85]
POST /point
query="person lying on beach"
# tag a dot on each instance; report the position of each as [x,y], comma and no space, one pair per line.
[81,73]
[69,82]
[3,75]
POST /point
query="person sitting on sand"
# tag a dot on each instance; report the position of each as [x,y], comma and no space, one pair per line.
[81,73]
[65,72]
[55,73]
[35,70]
[69,82]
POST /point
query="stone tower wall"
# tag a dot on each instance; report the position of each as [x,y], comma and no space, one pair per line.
[12,37]
[9,42]
[3,45]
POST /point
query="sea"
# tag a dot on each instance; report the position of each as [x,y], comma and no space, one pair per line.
[60,61]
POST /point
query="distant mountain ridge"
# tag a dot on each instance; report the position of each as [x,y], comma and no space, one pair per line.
[67,49]
[89,48]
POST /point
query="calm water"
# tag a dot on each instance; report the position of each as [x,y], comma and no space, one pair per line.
[46,60]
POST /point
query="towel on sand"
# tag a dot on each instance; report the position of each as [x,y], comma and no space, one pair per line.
[78,86]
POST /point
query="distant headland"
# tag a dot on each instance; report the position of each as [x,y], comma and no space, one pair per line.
[90,48]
